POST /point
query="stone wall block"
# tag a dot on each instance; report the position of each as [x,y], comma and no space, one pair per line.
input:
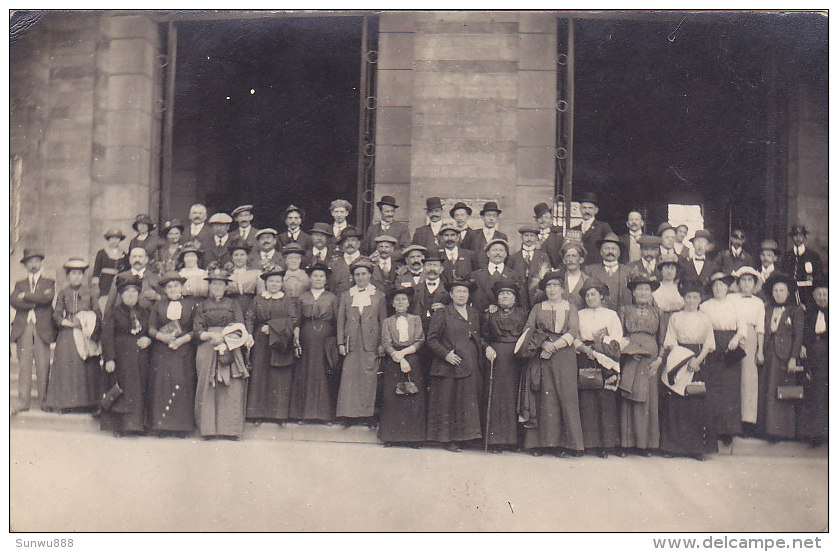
[492,47]
[396,22]
[131,55]
[395,88]
[537,89]
[394,125]
[536,163]
[537,51]
[536,127]
[130,92]
[392,163]
[395,50]
[537,22]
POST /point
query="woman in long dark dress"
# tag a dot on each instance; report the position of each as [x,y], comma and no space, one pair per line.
[171,382]
[456,382]
[815,423]
[110,261]
[501,329]
[685,421]
[274,321]
[598,348]
[783,340]
[125,349]
[402,415]
[167,257]
[221,388]
[143,225]
[722,374]
[74,375]
[311,398]
[245,283]
[559,424]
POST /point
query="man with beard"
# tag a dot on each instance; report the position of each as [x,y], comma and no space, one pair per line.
[497,252]
[384,271]
[458,263]
[593,230]
[429,295]
[197,229]
[610,272]
[243,215]
[387,226]
[265,254]
[428,236]
[649,250]
[341,277]
[412,272]
[321,250]
[218,248]
[630,243]
[293,228]
[151,292]
[477,239]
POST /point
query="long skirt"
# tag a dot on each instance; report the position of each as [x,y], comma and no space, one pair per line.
[685,422]
[402,416]
[557,405]
[815,414]
[724,388]
[219,408]
[749,377]
[127,414]
[269,388]
[598,409]
[310,395]
[454,408]
[356,398]
[171,388]
[639,423]
[780,415]
[503,416]
[72,382]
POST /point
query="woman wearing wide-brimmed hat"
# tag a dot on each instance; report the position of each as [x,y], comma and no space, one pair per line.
[191,258]
[723,367]
[295,281]
[171,381]
[74,375]
[784,322]
[166,256]
[109,261]
[751,311]
[274,322]
[143,226]
[640,362]
[361,312]
[667,297]
[815,415]
[686,424]
[221,387]
[598,353]
[317,377]
[245,282]
[555,324]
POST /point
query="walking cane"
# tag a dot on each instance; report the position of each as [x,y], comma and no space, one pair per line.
[489,406]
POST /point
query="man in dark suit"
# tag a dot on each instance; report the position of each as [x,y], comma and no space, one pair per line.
[320,250]
[593,230]
[427,236]
[531,261]
[243,215]
[32,328]
[497,251]
[460,212]
[293,229]
[412,272]
[429,294]
[458,263]
[341,278]
[649,255]
[668,235]
[151,291]
[699,267]
[385,269]
[198,229]
[802,264]
[477,238]
[386,226]
[218,248]
[265,253]
[629,243]
[610,272]
[735,255]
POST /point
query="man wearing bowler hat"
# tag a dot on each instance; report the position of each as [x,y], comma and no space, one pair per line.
[341,278]
[460,212]
[649,255]
[293,228]
[550,239]
[802,264]
[593,230]
[32,329]
[321,250]
[497,252]
[699,267]
[243,215]
[610,272]
[428,236]
[386,226]
[429,294]
[477,239]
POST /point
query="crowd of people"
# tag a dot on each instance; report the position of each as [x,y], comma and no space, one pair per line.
[581,341]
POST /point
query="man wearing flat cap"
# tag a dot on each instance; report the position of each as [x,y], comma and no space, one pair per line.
[243,215]
[428,236]
[593,230]
[649,255]
[497,252]
[265,254]
[218,248]
[458,263]
[386,226]
[477,238]
[32,329]
[385,270]
[803,264]
[699,266]
[610,272]
[412,272]
[293,229]
[769,254]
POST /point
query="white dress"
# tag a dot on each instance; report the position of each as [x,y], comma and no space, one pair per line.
[751,312]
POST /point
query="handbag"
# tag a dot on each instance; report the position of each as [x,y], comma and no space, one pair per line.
[789,392]
[110,397]
[406,387]
[695,388]
[590,378]
[734,356]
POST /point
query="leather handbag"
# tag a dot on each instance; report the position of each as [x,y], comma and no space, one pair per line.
[734,356]
[590,378]
[789,392]
[107,400]
[406,387]
[695,388]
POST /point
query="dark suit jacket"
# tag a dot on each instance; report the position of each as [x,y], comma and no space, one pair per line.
[462,267]
[789,335]
[688,270]
[251,236]
[590,239]
[728,263]
[212,252]
[449,332]
[384,281]
[476,241]
[341,279]
[303,240]
[370,322]
[553,247]
[625,244]
[204,236]
[398,230]
[150,280]
[254,259]
[404,278]
[425,237]
[308,260]
[531,272]
[618,292]
[483,296]
[422,301]
[796,268]
[40,301]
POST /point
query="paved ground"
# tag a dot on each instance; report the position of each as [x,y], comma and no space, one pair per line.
[70,481]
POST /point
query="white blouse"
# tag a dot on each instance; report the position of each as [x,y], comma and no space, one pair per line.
[751,311]
[690,328]
[723,314]
[594,320]
[668,298]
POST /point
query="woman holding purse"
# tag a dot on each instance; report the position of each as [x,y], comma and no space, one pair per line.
[815,423]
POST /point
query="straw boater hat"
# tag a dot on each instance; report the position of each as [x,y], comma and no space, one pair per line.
[220,218]
[746,270]
[490,206]
[30,253]
[171,277]
[272,270]
[75,263]
[174,223]
[459,205]
[387,200]
[594,283]
[460,282]
[114,233]
[637,278]
[143,219]
[266,231]
[128,280]
[349,232]
[241,209]
[504,283]
[319,265]
[321,228]
[361,262]
[675,375]
[552,275]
